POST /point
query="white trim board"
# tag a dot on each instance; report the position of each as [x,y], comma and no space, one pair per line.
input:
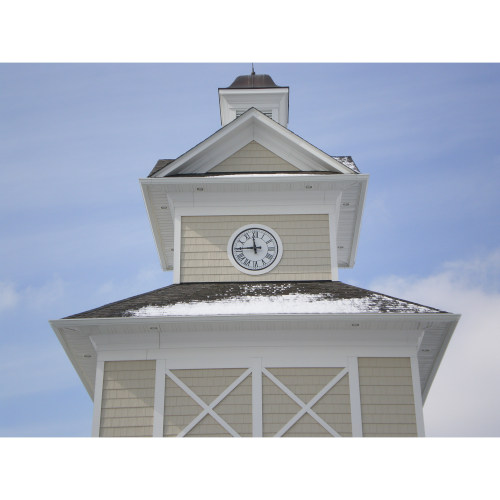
[96,415]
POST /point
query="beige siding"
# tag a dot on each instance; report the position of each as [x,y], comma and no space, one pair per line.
[305,238]
[127,399]
[387,403]
[208,384]
[254,158]
[278,408]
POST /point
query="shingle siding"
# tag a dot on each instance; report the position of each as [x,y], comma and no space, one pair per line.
[127,399]
[387,402]
[253,158]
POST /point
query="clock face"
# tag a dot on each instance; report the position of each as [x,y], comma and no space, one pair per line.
[255,249]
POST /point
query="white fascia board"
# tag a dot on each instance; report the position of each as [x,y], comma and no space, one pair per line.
[252,125]
[357,227]
[243,179]
[450,328]
[151,210]
[315,154]
[57,326]
[367,336]
[203,146]
[197,322]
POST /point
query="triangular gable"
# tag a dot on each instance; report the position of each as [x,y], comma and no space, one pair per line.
[254,158]
[252,126]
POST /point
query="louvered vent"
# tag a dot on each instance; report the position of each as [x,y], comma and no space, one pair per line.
[267,112]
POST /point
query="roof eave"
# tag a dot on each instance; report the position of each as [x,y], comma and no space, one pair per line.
[449,320]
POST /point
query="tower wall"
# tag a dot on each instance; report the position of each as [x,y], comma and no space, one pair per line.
[259,401]
[305,238]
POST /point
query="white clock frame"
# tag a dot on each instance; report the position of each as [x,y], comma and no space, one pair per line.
[260,271]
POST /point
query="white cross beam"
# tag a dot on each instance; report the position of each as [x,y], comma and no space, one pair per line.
[209,409]
[306,408]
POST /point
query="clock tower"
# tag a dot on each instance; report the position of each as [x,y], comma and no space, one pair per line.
[256,336]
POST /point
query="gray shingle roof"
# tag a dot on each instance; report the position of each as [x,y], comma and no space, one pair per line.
[159,165]
[190,296]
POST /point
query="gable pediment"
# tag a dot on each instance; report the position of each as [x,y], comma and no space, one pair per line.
[253,158]
[253,127]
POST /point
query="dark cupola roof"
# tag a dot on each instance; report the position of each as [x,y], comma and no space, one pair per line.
[253,81]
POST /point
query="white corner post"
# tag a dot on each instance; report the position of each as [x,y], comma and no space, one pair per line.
[333,219]
[257,397]
[417,396]
[177,249]
[356,419]
[159,402]
[96,416]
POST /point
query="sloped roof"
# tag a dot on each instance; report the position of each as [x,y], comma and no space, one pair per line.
[159,165]
[299,297]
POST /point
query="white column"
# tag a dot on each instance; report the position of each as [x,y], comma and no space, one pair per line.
[177,249]
[356,419]
[333,219]
[417,396]
[96,417]
[257,397]
[159,404]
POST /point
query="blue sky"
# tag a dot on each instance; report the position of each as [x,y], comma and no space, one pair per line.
[75,139]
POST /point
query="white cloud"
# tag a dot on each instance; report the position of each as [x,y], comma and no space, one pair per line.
[45,295]
[9,297]
[464,399]
[31,297]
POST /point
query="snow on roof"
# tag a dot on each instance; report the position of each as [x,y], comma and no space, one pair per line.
[298,297]
[282,304]
[348,162]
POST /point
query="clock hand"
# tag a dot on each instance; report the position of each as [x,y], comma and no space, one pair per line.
[248,248]
[254,247]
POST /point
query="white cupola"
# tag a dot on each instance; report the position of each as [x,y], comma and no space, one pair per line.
[254,91]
